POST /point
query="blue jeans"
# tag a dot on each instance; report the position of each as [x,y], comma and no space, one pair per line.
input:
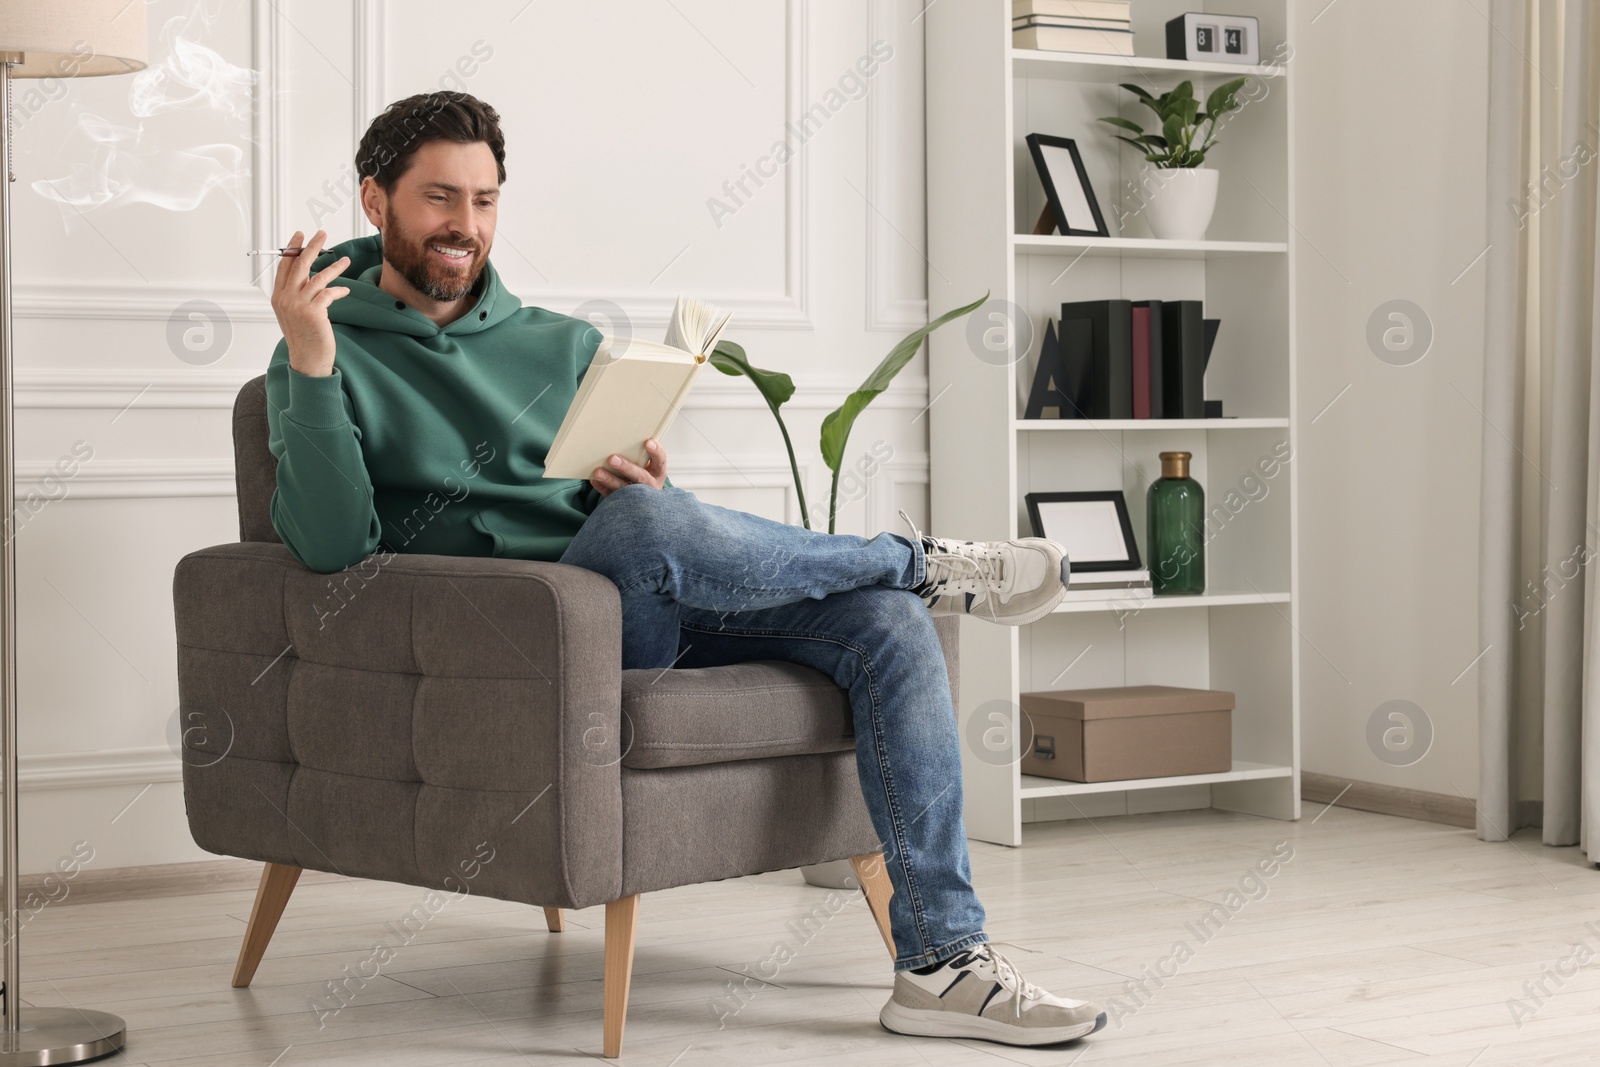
[705,586]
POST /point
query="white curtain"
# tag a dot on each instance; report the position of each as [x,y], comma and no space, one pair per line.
[1539,621]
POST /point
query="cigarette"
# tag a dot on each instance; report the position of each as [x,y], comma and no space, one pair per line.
[289,252]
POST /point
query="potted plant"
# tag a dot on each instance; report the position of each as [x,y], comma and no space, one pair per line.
[1179,192]
[776,387]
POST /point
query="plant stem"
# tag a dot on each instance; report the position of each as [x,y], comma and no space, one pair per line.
[833,500]
[794,470]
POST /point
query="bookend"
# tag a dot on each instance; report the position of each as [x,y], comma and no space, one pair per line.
[1053,385]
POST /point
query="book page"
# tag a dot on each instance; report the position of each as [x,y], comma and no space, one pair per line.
[695,326]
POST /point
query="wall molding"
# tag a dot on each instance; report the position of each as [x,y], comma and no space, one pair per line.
[72,388]
[368,68]
[269,176]
[1389,800]
[199,387]
[136,302]
[882,490]
[789,310]
[764,470]
[110,479]
[249,301]
[108,767]
[129,479]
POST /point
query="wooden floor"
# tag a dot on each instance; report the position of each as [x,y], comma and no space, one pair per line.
[1382,941]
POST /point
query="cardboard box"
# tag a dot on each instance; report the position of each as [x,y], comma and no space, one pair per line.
[1133,731]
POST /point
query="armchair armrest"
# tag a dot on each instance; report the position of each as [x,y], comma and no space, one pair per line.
[404,718]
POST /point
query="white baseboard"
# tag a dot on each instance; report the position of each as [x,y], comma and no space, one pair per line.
[116,766]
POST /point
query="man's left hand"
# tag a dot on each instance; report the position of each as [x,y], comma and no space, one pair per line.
[620,472]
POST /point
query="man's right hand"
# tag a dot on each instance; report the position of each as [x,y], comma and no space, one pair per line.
[301,301]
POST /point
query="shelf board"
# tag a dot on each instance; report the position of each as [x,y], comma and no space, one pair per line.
[1035,786]
[1028,244]
[1149,424]
[1204,600]
[1092,67]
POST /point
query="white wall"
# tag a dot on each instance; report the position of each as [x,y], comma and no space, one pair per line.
[136,195]
[1390,116]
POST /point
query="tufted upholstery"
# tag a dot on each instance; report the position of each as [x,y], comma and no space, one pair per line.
[418,721]
[383,721]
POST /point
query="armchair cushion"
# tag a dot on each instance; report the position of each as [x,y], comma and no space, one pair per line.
[690,716]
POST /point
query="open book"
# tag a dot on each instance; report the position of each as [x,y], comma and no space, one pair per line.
[632,391]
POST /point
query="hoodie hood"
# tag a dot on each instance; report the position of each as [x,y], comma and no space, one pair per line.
[367,305]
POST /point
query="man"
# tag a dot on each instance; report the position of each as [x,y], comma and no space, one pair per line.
[411,404]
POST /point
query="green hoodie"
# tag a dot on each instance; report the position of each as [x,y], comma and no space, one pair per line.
[426,439]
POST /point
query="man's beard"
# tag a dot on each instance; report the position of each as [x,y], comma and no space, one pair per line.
[417,264]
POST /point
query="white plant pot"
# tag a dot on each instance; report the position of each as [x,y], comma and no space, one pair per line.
[1179,201]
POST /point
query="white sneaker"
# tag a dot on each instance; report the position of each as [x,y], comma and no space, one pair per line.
[1007,582]
[978,993]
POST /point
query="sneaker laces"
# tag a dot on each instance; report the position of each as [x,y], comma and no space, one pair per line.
[980,560]
[1011,980]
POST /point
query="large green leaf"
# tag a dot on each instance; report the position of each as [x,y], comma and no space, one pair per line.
[1127,124]
[1148,151]
[1173,131]
[776,387]
[836,425]
[1139,92]
[1222,99]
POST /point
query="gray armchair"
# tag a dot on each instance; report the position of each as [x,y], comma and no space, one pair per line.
[464,724]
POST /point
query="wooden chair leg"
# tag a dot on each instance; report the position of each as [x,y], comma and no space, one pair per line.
[875,885]
[277,882]
[622,923]
[553,921]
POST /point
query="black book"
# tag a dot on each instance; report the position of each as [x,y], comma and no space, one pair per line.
[1077,354]
[1157,408]
[1108,392]
[1183,360]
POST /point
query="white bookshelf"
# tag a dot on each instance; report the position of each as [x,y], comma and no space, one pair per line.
[983,98]
[1129,247]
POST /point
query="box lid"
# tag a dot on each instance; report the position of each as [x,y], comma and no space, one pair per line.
[1123,701]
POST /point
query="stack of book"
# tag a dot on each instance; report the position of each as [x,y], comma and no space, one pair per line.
[1101,26]
[1109,585]
[1125,359]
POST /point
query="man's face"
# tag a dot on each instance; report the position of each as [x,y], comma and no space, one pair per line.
[448,199]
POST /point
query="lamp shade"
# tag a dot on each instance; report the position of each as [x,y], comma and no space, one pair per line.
[74,38]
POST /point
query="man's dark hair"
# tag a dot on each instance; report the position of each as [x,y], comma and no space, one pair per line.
[406,125]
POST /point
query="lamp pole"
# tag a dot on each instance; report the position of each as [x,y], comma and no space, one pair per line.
[49,1035]
[8,583]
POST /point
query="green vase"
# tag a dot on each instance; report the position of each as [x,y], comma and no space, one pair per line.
[1175,510]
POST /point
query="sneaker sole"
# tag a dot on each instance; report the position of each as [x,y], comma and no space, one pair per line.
[921,1022]
[945,605]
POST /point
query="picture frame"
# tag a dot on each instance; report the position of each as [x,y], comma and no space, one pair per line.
[1093,527]
[1066,186]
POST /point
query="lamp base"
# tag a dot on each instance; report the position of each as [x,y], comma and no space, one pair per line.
[61,1035]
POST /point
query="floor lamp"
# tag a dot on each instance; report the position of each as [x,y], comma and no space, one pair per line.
[61,39]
